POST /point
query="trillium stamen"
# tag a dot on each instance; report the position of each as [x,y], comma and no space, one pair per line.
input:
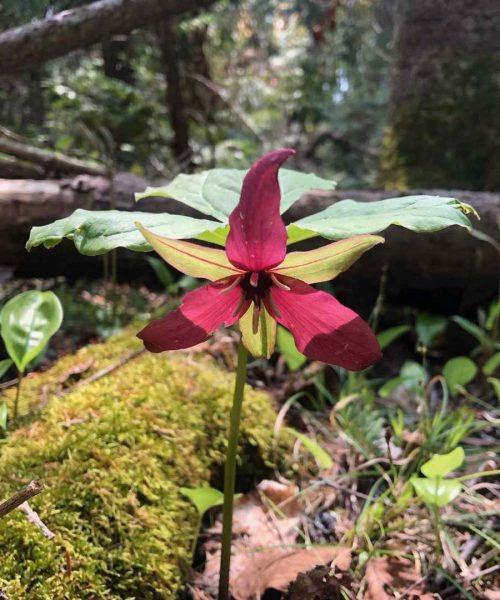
[279,283]
[229,285]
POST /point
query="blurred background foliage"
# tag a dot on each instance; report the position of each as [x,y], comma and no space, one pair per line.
[253,74]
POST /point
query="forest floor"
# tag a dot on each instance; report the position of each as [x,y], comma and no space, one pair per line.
[350,500]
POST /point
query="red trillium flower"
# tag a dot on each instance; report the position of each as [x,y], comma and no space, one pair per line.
[254,281]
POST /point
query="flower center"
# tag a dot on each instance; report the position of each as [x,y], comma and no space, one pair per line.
[256,286]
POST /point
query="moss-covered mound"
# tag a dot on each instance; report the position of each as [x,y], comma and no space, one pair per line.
[113,454]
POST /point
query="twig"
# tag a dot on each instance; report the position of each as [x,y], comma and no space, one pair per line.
[32,489]
[105,371]
[35,519]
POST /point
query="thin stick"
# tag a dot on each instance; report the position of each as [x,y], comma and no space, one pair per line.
[32,489]
[35,519]
[230,473]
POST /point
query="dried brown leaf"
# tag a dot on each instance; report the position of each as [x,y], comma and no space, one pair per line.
[389,576]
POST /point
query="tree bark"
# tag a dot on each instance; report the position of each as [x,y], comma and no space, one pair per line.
[445,123]
[174,97]
[444,272]
[22,48]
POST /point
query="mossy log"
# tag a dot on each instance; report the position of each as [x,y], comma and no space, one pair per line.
[112,455]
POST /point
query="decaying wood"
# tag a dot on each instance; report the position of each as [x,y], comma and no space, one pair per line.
[32,489]
[50,161]
[447,271]
[24,47]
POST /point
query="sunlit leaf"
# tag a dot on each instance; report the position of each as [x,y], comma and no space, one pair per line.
[412,376]
[492,364]
[217,192]
[28,321]
[97,232]
[323,458]
[203,498]
[442,464]
[459,371]
[417,213]
[438,492]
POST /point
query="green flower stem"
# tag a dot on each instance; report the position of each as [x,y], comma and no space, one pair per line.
[18,393]
[230,473]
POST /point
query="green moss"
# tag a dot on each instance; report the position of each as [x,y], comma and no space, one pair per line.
[113,454]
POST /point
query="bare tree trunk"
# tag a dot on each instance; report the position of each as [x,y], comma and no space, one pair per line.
[445,121]
[174,97]
[22,48]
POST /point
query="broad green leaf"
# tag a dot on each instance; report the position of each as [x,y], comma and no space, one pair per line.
[5,366]
[459,371]
[203,498]
[286,345]
[3,416]
[429,327]
[325,263]
[28,321]
[492,364]
[260,343]
[442,464]
[412,376]
[324,459]
[217,192]
[417,213]
[387,337]
[97,232]
[191,259]
[493,315]
[298,234]
[438,492]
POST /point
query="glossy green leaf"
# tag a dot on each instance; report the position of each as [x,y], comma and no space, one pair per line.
[217,192]
[459,371]
[438,492]
[97,232]
[28,321]
[429,327]
[3,416]
[387,337]
[323,458]
[5,366]
[492,364]
[203,498]
[442,464]
[294,359]
[417,213]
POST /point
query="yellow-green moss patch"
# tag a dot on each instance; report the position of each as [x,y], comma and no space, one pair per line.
[113,454]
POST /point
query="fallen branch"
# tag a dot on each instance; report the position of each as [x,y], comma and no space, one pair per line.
[25,47]
[32,489]
[50,161]
[35,519]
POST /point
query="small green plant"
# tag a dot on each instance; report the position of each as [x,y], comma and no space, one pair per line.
[458,372]
[433,489]
[28,321]
[294,359]
[203,499]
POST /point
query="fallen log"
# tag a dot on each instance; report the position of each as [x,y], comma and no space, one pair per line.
[446,271]
[25,47]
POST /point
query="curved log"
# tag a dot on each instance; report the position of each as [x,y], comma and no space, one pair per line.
[445,271]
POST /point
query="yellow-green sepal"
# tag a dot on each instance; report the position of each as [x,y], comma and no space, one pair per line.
[260,343]
[191,259]
[325,263]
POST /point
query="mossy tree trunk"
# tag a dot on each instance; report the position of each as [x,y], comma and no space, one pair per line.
[445,123]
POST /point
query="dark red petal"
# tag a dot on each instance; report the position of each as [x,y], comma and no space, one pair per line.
[257,236]
[323,328]
[201,312]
